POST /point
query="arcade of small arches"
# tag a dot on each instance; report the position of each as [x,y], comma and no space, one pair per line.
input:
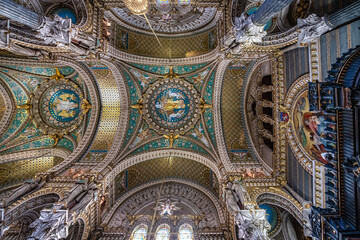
[179,119]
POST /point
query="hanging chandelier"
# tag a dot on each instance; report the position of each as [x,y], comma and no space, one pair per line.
[137,7]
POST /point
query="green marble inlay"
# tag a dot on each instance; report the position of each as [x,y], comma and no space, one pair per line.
[134,96]
[164,70]
[18,120]
[163,143]
[66,143]
[47,71]
[41,143]
[19,94]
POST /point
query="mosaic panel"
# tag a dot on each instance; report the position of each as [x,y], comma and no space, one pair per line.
[2,107]
[17,122]
[164,70]
[208,114]
[231,106]
[173,47]
[199,134]
[16,172]
[46,71]
[198,79]
[109,121]
[163,143]
[171,106]
[42,143]
[172,167]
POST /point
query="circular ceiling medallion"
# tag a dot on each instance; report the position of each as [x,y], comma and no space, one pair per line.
[58,106]
[171,106]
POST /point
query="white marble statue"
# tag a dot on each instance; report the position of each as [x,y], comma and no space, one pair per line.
[231,201]
[252,224]
[5,43]
[51,225]
[24,189]
[245,32]
[311,28]
[55,31]
[75,192]
[241,192]
[91,194]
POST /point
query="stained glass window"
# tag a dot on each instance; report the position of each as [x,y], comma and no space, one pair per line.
[162,2]
[184,2]
[163,233]
[185,232]
[140,233]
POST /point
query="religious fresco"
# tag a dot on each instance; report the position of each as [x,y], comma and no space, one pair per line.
[315,131]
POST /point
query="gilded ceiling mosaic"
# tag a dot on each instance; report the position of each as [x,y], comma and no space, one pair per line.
[172,47]
[170,111]
[166,168]
[232,110]
[109,120]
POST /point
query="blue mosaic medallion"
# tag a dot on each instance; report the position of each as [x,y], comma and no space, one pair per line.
[60,106]
[64,105]
[171,106]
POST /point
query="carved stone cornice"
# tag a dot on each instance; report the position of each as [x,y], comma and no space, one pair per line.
[124,118]
[45,152]
[113,53]
[202,28]
[202,189]
[10,107]
[219,135]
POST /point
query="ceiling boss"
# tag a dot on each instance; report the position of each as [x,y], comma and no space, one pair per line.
[171,106]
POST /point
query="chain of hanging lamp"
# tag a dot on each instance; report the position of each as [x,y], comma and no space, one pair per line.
[140,7]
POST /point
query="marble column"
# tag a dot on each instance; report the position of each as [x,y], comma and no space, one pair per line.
[268,9]
[20,14]
[344,15]
[314,26]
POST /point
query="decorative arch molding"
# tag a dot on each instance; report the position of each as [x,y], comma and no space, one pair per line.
[198,187]
[10,108]
[279,198]
[90,81]
[219,135]
[44,152]
[297,88]
[246,128]
[202,26]
[124,118]
[37,199]
[126,163]
[112,52]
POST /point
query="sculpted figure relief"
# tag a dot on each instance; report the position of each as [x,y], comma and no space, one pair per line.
[230,199]
[252,224]
[51,225]
[24,189]
[245,32]
[311,28]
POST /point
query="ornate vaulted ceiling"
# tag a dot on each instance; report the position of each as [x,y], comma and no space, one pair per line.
[182,107]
